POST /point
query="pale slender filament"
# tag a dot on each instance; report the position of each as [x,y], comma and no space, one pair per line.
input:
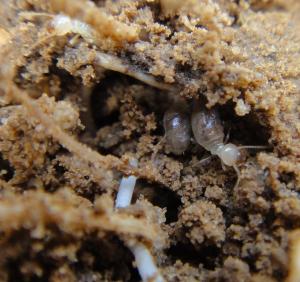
[126,188]
[144,260]
[113,63]
[253,147]
[202,161]
[156,148]
[238,176]
[147,269]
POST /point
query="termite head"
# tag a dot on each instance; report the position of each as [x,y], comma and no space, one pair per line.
[229,154]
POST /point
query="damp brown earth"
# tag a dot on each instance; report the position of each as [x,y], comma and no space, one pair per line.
[84,86]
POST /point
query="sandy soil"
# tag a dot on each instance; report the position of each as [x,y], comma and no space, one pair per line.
[83,88]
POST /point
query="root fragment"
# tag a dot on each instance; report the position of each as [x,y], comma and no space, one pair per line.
[115,64]
[104,24]
[126,188]
[63,25]
[4,36]
[143,257]
[108,162]
[294,275]
[66,210]
[145,264]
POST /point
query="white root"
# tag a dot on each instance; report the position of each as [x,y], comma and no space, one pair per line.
[145,264]
[126,188]
[294,263]
[113,63]
[63,25]
[144,260]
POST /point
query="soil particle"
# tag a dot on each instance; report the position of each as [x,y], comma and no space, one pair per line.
[78,100]
[202,222]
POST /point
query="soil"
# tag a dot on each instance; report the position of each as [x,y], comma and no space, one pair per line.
[83,88]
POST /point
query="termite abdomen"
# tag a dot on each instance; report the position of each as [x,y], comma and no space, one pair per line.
[207,127]
[177,130]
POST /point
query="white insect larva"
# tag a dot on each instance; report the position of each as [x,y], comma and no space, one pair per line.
[177,129]
[64,24]
[209,133]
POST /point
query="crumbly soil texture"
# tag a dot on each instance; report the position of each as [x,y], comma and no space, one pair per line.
[84,86]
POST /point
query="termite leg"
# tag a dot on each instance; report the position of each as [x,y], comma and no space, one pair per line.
[202,161]
[238,176]
[157,147]
[226,139]
[223,166]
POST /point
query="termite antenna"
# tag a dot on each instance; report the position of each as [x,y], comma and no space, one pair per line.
[156,148]
[226,139]
[238,173]
[254,147]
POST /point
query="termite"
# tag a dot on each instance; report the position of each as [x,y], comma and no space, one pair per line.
[177,127]
[209,133]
